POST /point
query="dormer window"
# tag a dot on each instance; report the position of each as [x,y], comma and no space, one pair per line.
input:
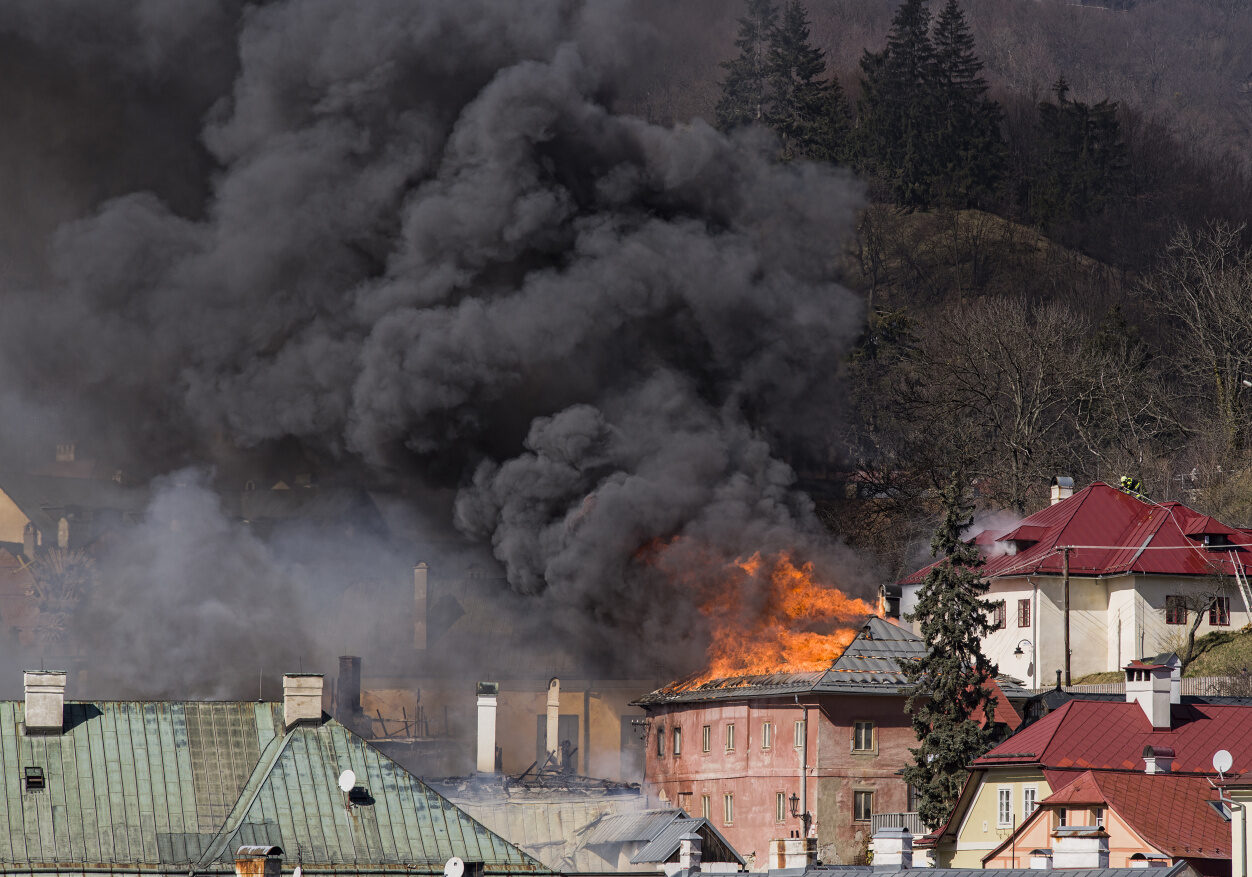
[1216,540]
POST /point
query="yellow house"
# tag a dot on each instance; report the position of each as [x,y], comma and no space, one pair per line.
[1153,730]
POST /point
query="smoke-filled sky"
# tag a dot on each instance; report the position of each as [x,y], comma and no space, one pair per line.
[417,242]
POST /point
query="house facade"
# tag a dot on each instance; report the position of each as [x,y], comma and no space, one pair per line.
[1134,571]
[1134,775]
[737,751]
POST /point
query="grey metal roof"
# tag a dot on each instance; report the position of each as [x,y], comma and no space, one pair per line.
[176,787]
[627,827]
[662,847]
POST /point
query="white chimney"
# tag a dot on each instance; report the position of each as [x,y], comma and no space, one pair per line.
[1157,759]
[45,701]
[689,852]
[488,692]
[1080,846]
[1149,686]
[552,730]
[419,606]
[1041,860]
[1062,488]
[893,848]
[792,852]
[302,699]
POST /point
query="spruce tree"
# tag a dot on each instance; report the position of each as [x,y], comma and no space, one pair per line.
[949,681]
[744,90]
[810,115]
[1084,158]
[969,150]
[897,109]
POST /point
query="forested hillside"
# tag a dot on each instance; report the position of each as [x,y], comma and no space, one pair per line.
[1054,260]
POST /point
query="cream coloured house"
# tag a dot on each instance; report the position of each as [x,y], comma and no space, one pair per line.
[1135,571]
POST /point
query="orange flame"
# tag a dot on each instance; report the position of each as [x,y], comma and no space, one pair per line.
[798,625]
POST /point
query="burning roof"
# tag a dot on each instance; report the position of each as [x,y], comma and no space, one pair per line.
[871,663]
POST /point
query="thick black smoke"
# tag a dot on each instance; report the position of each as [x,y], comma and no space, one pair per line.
[418,239]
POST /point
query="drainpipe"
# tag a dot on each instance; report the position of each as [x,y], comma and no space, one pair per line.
[1034,632]
[806,817]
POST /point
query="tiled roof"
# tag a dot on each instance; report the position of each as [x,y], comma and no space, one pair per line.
[1168,811]
[179,786]
[1104,735]
[870,871]
[1110,531]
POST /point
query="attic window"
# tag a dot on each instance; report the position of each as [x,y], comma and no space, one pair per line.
[1216,540]
[34,779]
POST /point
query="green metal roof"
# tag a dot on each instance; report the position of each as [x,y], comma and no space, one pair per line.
[178,787]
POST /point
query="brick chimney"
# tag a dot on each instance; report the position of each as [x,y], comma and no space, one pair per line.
[1062,488]
[488,692]
[893,848]
[1149,686]
[258,861]
[45,701]
[689,846]
[1157,759]
[302,699]
[1080,846]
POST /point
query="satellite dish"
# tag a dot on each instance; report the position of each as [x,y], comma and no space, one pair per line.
[454,867]
[1222,761]
[347,781]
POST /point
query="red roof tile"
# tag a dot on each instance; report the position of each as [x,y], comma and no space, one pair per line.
[1111,531]
[1170,812]
[1111,735]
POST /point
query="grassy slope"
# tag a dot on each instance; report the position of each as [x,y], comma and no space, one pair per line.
[1221,653]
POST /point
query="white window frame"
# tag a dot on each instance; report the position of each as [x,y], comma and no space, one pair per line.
[706,738]
[767,735]
[706,806]
[730,737]
[1030,800]
[1004,796]
[676,745]
[871,747]
[728,802]
[800,731]
[862,795]
[780,806]
[660,741]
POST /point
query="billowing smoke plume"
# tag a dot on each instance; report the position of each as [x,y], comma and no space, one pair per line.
[420,241]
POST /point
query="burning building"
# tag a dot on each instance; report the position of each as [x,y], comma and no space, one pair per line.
[809,759]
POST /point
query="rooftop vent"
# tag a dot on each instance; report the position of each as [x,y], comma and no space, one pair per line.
[34,779]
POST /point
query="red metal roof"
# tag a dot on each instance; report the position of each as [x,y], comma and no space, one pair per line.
[1111,735]
[1111,531]
[1170,812]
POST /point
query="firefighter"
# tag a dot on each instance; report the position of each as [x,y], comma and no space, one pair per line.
[1132,485]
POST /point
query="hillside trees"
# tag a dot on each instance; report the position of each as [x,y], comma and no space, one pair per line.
[744,89]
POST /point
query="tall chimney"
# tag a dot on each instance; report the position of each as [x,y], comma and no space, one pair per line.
[1149,686]
[1062,488]
[348,690]
[302,699]
[488,692]
[45,701]
[689,854]
[419,606]
[553,745]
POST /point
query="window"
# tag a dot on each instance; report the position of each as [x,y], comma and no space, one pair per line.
[767,735]
[1060,816]
[1004,810]
[684,802]
[862,806]
[1098,812]
[729,801]
[862,736]
[911,799]
[1219,612]
[730,737]
[706,809]
[780,806]
[706,738]
[678,741]
[997,615]
[1023,613]
[1030,795]
[799,734]
[1175,610]
[660,741]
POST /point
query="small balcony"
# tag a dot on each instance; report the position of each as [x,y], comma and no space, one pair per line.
[911,821]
